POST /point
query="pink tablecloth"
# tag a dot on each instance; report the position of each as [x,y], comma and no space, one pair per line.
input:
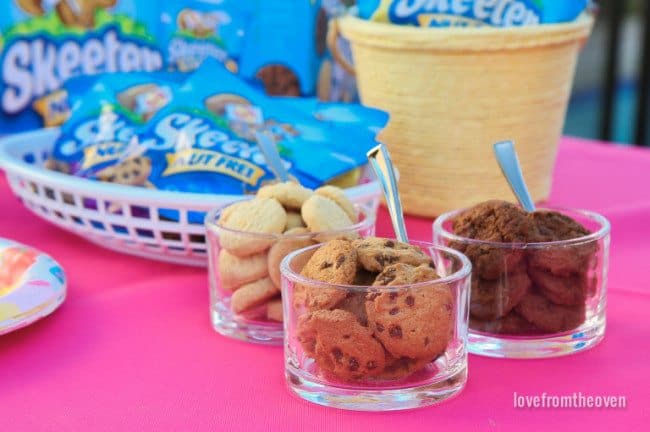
[132,347]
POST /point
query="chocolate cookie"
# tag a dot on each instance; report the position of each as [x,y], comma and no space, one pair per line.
[553,226]
[416,322]
[493,221]
[340,345]
[335,262]
[512,324]
[376,253]
[494,299]
[562,290]
[548,316]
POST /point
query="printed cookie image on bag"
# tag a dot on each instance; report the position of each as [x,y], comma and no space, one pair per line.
[45,43]
[245,119]
[284,44]
[104,121]
[198,29]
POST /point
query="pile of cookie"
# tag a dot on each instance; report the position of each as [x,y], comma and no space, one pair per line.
[378,329]
[525,290]
[258,233]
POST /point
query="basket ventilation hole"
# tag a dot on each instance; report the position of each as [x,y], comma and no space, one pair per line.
[97,225]
[144,233]
[49,193]
[195,218]
[169,215]
[90,204]
[140,212]
[171,236]
[197,238]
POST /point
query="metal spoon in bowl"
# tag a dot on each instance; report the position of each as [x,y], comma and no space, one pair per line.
[509,162]
[269,149]
[382,165]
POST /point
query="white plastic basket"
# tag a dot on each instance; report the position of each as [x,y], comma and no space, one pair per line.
[142,224]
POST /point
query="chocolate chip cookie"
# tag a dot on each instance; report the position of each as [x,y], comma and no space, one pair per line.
[402,367]
[340,345]
[377,253]
[416,322]
[335,263]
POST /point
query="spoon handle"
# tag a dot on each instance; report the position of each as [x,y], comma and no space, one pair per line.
[272,156]
[381,163]
[509,163]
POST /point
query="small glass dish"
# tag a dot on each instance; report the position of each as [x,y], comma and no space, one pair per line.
[343,356]
[535,300]
[256,315]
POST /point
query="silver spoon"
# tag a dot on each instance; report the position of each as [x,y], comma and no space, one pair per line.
[270,151]
[509,163]
[381,163]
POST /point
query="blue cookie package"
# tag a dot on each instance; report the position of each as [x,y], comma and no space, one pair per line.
[43,44]
[107,110]
[199,135]
[468,13]
[205,140]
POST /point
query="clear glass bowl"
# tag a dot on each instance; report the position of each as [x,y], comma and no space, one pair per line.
[254,315]
[363,353]
[534,300]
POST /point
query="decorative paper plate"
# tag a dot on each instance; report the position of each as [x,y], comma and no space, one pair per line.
[32,285]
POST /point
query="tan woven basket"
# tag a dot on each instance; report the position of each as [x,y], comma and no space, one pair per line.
[451,93]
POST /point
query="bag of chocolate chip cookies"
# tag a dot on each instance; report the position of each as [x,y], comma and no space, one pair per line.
[205,141]
[45,43]
[105,118]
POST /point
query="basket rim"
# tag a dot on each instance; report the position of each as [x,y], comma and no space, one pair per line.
[455,39]
[14,165]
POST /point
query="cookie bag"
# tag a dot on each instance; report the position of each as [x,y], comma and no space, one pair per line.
[105,119]
[94,137]
[193,148]
[45,43]
[194,30]
[495,13]
[322,150]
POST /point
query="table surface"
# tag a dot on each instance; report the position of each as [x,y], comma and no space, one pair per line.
[132,347]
